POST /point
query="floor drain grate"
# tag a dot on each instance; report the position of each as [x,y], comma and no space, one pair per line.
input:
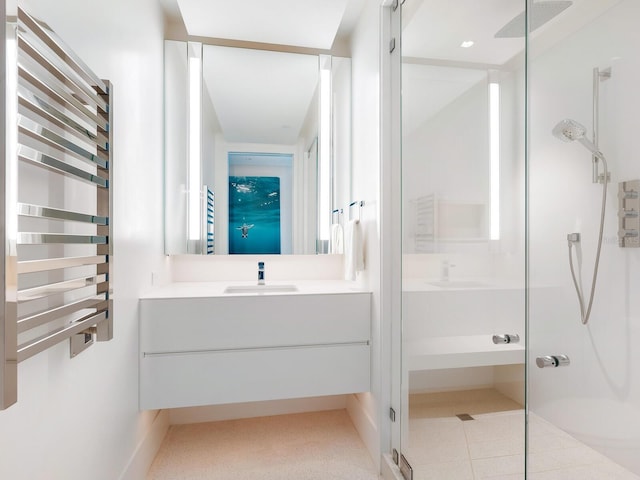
[464,416]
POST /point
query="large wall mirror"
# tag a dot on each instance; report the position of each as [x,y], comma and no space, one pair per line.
[257,149]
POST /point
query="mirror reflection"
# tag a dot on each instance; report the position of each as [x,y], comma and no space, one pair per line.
[265,152]
[463,295]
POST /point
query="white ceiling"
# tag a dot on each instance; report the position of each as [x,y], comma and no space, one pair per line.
[259,96]
[434,29]
[303,23]
[437,28]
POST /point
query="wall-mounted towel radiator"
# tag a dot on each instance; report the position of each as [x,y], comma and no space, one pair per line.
[55,224]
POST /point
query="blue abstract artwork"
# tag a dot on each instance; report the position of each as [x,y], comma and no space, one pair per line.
[254,215]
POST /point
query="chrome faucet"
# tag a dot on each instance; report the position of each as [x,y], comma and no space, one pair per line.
[444,273]
[260,273]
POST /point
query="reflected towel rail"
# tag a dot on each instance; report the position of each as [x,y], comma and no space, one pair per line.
[359,204]
[426,218]
[336,216]
[55,259]
[209,209]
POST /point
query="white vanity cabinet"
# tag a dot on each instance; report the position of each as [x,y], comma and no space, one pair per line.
[242,348]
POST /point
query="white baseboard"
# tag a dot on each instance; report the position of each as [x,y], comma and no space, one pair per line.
[147,449]
[215,413]
[389,470]
[365,426]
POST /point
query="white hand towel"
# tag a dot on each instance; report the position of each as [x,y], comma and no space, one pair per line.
[337,239]
[353,251]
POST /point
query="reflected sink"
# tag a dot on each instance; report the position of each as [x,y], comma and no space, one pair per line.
[260,289]
[459,284]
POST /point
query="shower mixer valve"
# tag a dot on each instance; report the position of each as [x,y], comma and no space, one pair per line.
[628,214]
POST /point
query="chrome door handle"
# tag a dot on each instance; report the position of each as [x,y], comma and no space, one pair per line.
[506,338]
[547,361]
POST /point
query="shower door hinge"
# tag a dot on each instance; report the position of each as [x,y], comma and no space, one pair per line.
[395,456]
[392,45]
[405,468]
[392,414]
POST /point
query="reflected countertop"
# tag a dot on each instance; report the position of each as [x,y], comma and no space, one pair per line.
[438,285]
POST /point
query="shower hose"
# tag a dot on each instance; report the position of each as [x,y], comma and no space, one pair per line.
[584,316]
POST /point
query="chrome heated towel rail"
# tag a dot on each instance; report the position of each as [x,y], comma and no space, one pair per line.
[56,202]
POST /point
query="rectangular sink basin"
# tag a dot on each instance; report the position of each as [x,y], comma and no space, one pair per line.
[260,289]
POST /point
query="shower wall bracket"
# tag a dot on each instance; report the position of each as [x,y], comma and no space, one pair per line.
[598,76]
[628,214]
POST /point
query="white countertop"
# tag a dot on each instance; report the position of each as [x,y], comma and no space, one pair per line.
[217,289]
[472,284]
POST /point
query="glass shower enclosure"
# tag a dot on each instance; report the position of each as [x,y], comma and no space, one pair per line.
[519,219]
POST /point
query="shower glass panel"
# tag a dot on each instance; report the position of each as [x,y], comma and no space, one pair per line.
[585,69]
[463,286]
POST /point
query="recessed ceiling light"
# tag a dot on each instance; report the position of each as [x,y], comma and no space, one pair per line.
[467,44]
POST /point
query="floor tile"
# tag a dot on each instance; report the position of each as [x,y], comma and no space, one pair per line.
[494,442]
[320,445]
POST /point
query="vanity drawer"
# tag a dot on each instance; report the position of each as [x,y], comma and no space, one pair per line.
[194,324]
[184,380]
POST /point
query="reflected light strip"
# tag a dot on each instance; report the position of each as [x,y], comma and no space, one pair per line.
[494,154]
[195,93]
[324,216]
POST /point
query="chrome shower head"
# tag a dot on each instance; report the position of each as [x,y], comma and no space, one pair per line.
[569,130]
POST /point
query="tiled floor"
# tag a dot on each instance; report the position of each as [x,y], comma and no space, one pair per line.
[306,446]
[442,447]
[325,445]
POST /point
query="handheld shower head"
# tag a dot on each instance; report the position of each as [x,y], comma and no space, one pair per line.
[569,130]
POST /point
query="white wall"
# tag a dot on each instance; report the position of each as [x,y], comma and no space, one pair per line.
[79,419]
[597,398]
[366,409]
[176,82]
[210,130]
[449,154]
[342,124]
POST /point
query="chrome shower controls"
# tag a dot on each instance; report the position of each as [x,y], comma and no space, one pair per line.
[548,361]
[628,209]
[506,338]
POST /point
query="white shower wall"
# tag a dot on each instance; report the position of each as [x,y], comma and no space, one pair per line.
[597,398]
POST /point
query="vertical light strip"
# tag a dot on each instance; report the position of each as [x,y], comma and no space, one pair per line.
[11,137]
[9,217]
[195,145]
[324,168]
[494,154]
